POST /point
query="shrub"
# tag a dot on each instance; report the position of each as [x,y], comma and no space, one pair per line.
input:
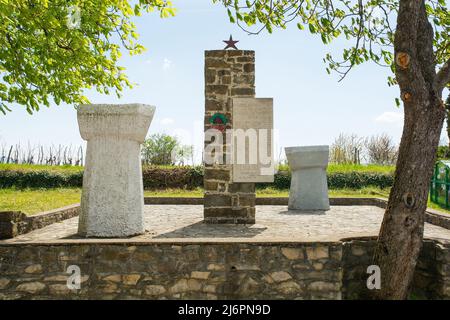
[359,180]
[175,177]
[443,152]
[39,179]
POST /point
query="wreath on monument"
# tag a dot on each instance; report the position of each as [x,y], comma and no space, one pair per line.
[218,121]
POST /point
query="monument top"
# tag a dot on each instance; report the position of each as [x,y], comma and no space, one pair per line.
[231,44]
[128,121]
[130,108]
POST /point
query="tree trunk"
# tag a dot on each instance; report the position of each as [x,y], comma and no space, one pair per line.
[401,234]
[447,108]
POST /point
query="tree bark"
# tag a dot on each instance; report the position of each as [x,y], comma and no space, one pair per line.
[401,233]
[447,108]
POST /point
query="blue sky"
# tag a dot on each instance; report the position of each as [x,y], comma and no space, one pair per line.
[310,106]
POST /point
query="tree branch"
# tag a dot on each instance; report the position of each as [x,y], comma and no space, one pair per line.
[443,76]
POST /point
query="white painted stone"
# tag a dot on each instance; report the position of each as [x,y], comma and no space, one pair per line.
[309,189]
[112,199]
[252,140]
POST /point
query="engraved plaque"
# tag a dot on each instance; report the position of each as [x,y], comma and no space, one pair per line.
[252,140]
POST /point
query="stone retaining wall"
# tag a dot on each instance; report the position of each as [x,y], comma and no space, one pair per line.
[14,223]
[431,277]
[173,271]
[188,270]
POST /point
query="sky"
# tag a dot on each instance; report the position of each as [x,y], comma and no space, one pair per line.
[310,106]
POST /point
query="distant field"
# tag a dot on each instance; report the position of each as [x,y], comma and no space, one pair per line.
[33,167]
[360,168]
[331,168]
[334,168]
[65,168]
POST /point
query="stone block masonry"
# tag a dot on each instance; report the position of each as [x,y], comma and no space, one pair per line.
[228,74]
[431,277]
[172,271]
[193,270]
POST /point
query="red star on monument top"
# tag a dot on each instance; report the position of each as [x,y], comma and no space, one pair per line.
[231,43]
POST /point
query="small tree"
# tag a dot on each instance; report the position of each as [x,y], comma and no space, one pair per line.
[163,149]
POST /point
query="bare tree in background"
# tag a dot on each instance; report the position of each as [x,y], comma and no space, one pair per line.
[347,149]
[381,149]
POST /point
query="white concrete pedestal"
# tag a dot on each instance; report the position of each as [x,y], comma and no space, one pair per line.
[309,189]
[112,200]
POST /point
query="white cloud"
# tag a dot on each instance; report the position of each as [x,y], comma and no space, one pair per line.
[166,121]
[390,118]
[167,64]
[148,61]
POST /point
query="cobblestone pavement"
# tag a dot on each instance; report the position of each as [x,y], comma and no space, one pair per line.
[274,223]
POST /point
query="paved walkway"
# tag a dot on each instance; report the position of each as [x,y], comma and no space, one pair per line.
[274,223]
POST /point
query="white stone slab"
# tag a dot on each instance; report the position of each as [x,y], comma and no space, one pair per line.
[252,142]
[309,189]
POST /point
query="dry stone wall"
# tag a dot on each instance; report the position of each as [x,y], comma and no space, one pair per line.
[186,270]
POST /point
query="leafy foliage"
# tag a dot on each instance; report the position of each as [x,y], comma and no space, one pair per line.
[163,149]
[367,27]
[443,152]
[43,55]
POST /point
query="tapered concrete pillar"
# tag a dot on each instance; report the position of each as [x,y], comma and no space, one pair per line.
[309,189]
[112,200]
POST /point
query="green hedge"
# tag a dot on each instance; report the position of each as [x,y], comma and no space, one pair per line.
[178,177]
[337,180]
[39,179]
[182,177]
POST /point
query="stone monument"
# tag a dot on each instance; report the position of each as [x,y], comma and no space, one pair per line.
[230,105]
[112,199]
[309,189]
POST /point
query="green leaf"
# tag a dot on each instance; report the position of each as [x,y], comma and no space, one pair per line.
[53,60]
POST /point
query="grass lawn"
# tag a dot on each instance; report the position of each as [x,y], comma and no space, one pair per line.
[37,200]
[342,168]
[373,168]
[33,201]
[362,193]
[35,167]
